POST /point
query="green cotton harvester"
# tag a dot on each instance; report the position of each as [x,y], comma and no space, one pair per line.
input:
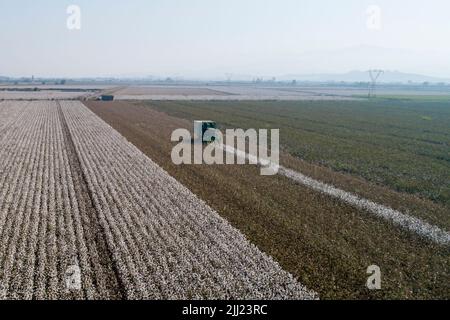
[200,130]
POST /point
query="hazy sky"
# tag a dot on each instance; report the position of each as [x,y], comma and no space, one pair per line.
[208,38]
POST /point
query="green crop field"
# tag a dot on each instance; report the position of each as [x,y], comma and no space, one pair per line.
[400,143]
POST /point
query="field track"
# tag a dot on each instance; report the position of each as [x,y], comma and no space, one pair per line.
[75,194]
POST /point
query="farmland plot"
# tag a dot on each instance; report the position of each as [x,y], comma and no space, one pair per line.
[77,198]
[312,235]
[221,93]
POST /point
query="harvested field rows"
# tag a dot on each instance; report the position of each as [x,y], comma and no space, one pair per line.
[74,194]
[326,242]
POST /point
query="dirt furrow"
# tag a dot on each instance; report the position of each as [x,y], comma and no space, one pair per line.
[103,271]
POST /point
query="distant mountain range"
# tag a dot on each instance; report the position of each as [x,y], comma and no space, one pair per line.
[363,76]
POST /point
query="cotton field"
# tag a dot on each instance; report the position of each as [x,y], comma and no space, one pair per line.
[85,215]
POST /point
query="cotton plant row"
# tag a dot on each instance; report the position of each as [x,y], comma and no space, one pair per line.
[75,196]
[22,154]
[43,230]
[36,209]
[10,114]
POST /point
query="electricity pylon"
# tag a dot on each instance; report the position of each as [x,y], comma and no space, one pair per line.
[374,75]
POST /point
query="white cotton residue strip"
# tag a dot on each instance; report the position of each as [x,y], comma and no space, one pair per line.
[405,221]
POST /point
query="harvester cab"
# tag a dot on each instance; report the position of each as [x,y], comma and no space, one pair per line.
[201,132]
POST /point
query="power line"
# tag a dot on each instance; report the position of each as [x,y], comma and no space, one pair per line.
[374,75]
